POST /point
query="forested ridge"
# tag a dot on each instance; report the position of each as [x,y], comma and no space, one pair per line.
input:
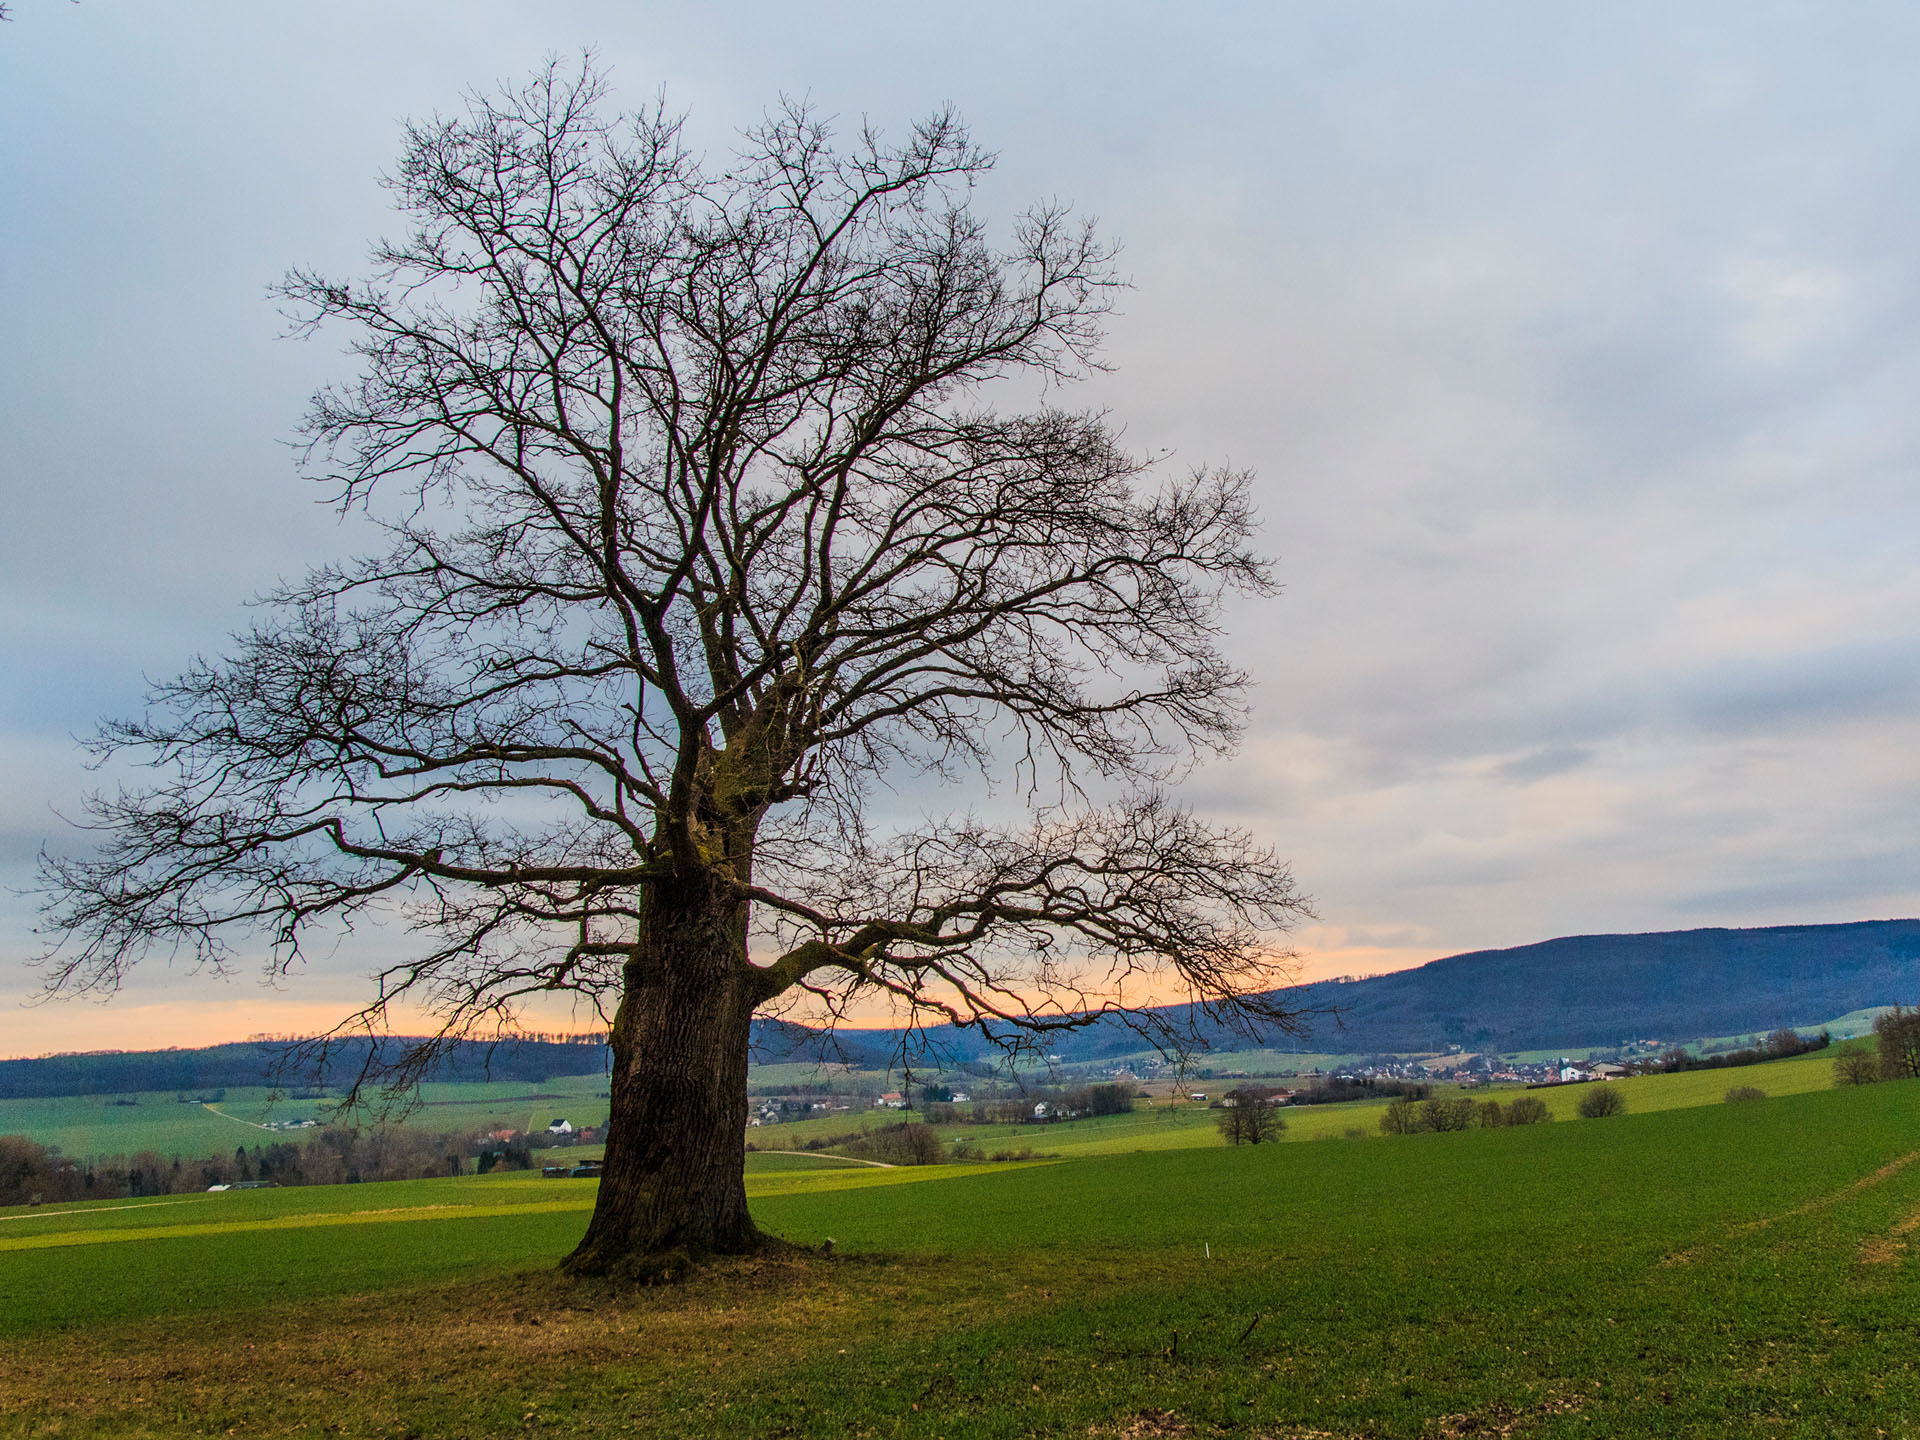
[1579,990]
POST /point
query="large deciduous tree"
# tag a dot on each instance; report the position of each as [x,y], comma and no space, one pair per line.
[703,531]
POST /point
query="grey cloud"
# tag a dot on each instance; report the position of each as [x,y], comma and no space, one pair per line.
[1542,764]
[1845,682]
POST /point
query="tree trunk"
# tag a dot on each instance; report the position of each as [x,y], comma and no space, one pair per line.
[674,1186]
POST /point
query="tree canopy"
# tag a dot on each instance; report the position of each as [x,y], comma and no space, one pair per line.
[702,534]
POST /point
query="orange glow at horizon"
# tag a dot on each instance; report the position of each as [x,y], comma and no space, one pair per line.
[59,1027]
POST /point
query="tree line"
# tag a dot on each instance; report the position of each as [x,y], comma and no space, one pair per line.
[32,1173]
[1072,1102]
[292,1065]
[1782,1044]
[1895,1056]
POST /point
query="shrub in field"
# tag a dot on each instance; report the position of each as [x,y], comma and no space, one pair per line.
[908,1144]
[1741,1094]
[1492,1115]
[1857,1067]
[1528,1110]
[1602,1101]
[1898,1033]
[1438,1114]
[1402,1117]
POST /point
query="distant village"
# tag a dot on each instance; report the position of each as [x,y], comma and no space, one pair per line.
[1066,1093]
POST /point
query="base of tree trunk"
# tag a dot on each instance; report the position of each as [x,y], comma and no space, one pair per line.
[671,1264]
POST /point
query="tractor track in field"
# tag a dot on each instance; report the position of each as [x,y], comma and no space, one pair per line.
[1883,1248]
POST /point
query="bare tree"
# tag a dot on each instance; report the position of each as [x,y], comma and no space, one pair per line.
[701,528]
[1857,1067]
[1897,1032]
[1249,1117]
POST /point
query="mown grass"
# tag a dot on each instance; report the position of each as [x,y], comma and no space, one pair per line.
[1719,1270]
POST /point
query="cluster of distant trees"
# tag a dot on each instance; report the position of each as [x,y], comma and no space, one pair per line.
[1339,1088]
[908,1143]
[1895,1056]
[1782,1044]
[297,1066]
[1408,1116]
[1069,1103]
[1248,1116]
[32,1173]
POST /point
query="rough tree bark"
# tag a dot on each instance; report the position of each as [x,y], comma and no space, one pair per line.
[700,527]
[676,1150]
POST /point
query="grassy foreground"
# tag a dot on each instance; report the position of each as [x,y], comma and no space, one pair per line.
[1720,1270]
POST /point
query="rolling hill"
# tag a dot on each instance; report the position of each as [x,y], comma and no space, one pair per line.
[1576,991]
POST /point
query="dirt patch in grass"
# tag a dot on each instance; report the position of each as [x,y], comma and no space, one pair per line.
[1167,1425]
[1888,1248]
[461,1354]
[1500,1419]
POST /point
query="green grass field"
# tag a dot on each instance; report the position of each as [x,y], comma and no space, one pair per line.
[1183,1125]
[1700,1269]
[92,1125]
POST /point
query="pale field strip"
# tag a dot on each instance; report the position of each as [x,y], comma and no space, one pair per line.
[63,1238]
[38,1214]
[582,1200]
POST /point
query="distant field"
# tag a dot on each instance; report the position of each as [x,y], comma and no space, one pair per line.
[1708,1271]
[92,1125]
[1181,1125]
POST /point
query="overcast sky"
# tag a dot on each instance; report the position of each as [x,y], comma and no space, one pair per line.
[1575,349]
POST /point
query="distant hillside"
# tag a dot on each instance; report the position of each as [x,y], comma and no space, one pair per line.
[1582,990]
[1601,989]
[254,1062]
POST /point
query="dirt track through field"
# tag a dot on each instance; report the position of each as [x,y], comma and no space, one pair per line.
[1820,1202]
[289,1222]
[101,1209]
[1879,1177]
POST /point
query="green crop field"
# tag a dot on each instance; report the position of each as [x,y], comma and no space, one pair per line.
[88,1126]
[1698,1269]
[1160,1125]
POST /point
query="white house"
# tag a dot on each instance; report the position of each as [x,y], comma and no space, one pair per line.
[560,1126]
